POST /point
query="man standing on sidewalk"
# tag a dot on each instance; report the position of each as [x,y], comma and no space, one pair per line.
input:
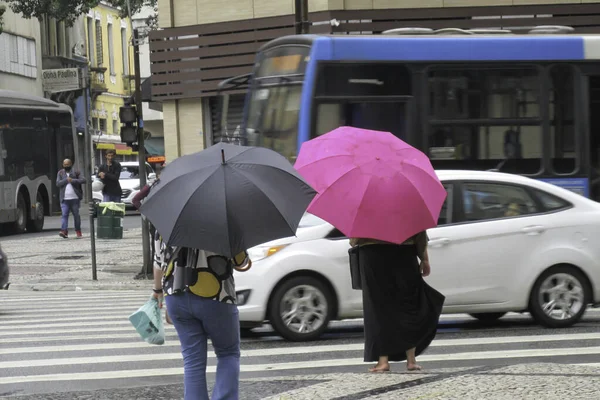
[109,174]
[69,182]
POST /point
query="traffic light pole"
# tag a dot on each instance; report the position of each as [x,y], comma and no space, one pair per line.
[147,263]
[87,166]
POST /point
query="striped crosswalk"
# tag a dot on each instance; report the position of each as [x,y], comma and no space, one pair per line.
[85,339]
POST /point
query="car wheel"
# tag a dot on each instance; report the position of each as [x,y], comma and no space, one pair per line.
[559,297]
[488,317]
[37,224]
[301,308]
[20,223]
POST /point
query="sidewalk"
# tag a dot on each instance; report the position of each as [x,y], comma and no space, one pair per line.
[50,262]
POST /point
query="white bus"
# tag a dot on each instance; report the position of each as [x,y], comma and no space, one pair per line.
[36,134]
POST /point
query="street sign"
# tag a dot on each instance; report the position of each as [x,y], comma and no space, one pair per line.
[60,80]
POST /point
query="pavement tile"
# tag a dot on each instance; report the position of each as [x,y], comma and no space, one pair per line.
[522,381]
[54,263]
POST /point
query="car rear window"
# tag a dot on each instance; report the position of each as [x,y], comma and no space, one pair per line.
[551,202]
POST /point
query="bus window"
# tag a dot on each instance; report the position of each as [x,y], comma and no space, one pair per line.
[482,93]
[514,148]
[363,80]
[273,118]
[2,152]
[562,119]
[485,118]
[375,115]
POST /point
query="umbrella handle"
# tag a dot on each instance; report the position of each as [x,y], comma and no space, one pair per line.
[244,269]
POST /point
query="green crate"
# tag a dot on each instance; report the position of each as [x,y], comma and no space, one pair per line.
[109,221]
[105,232]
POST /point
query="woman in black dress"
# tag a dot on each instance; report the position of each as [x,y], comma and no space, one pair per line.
[401,311]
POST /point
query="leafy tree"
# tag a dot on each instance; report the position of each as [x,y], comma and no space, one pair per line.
[2,11]
[136,6]
[69,10]
[61,10]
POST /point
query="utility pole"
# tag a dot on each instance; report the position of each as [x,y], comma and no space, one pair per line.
[301,16]
[87,164]
[147,266]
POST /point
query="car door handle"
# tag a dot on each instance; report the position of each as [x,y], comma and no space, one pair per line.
[439,242]
[533,230]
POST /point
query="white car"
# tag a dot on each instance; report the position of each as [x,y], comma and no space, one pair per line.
[130,182]
[503,243]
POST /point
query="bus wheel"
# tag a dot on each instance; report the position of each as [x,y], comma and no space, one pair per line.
[21,221]
[37,223]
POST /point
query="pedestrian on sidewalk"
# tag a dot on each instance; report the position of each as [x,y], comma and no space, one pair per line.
[109,173]
[201,299]
[401,311]
[69,182]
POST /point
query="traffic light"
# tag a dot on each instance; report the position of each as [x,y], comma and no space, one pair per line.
[129,130]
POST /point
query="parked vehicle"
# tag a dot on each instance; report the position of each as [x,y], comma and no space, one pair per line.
[36,134]
[130,182]
[504,243]
[4,271]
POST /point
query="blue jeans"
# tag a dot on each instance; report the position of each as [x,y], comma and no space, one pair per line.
[111,197]
[70,206]
[196,319]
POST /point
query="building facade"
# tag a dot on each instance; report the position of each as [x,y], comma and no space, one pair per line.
[107,39]
[202,42]
[21,54]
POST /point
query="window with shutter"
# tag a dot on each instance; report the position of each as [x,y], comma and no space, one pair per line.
[99,55]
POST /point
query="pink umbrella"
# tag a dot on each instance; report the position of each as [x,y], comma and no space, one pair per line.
[371,184]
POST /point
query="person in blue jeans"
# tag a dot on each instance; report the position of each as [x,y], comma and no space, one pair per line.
[200,297]
[69,182]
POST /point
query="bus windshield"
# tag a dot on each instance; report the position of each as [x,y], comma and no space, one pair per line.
[274,106]
[273,118]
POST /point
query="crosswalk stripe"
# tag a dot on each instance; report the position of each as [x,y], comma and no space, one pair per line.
[119,321]
[132,373]
[308,349]
[96,324]
[48,316]
[7,323]
[118,296]
[462,356]
[63,338]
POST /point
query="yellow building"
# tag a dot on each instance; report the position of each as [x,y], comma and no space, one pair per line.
[110,54]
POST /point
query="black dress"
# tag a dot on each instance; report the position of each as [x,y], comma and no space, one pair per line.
[401,311]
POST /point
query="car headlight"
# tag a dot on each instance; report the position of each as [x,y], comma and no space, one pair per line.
[259,252]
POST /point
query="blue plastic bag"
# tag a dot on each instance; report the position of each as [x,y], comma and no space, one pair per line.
[148,323]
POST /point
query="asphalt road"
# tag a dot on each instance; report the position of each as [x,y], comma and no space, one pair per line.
[80,345]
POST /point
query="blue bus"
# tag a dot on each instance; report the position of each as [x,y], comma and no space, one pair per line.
[519,103]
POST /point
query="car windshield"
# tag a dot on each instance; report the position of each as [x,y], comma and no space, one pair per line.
[129,173]
[309,220]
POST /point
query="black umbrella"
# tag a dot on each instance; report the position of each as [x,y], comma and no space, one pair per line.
[227,198]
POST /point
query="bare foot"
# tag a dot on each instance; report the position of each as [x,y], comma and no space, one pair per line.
[380,368]
[413,367]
